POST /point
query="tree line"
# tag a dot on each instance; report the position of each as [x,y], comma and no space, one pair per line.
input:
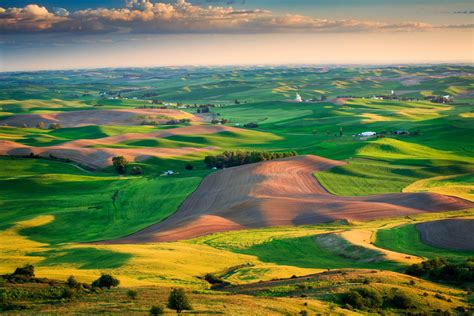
[237,158]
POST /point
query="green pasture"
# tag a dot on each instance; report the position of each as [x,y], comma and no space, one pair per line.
[87,206]
[406,239]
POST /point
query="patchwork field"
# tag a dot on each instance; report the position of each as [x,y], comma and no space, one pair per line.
[266,228]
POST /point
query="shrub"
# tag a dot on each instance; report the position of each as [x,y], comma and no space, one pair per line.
[68,293]
[363,298]
[120,164]
[55,126]
[26,271]
[189,167]
[136,170]
[178,301]
[442,270]
[72,283]
[132,294]
[40,125]
[157,310]
[212,279]
[402,300]
[106,281]
[251,125]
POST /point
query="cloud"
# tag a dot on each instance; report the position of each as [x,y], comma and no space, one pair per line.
[29,18]
[148,17]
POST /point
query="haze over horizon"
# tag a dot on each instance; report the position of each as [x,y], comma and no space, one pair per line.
[58,34]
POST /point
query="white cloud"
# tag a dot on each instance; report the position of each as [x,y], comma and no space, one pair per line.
[146,16]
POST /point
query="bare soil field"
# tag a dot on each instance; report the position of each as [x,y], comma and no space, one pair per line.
[280,193]
[98,117]
[457,234]
[94,157]
[186,130]
[80,151]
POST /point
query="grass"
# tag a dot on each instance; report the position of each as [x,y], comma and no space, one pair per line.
[406,239]
[48,207]
[83,258]
[366,177]
[458,185]
[85,206]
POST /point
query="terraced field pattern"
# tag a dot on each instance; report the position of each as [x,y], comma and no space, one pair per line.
[288,234]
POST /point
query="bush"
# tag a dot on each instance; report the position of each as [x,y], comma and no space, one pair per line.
[157,310]
[251,125]
[136,170]
[189,167]
[215,280]
[402,300]
[106,281]
[40,125]
[68,293]
[363,298]
[132,294]
[212,279]
[120,164]
[55,126]
[178,301]
[72,283]
[26,271]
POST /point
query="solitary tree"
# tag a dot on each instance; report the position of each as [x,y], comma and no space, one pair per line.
[120,164]
[178,301]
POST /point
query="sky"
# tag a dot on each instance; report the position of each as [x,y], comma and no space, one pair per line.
[65,34]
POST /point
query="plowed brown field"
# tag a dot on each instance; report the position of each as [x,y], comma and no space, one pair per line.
[457,234]
[278,193]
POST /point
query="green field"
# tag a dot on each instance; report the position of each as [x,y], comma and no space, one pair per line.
[406,238]
[52,210]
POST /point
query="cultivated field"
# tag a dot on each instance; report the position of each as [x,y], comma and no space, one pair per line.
[364,208]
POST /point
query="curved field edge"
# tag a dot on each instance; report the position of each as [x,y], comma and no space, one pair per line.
[407,239]
[361,177]
[88,206]
[461,186]
[239,256]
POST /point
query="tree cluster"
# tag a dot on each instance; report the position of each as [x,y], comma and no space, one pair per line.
[366,298]
[442,270]
[237,158]
[176,122]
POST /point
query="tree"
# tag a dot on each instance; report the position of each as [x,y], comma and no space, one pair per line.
[178,301]
[106,281]
[120,164]
[189,167]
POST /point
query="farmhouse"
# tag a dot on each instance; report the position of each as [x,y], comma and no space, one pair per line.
[366,134]
[298,98]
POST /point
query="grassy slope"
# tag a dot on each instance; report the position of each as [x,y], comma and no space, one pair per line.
[406,239]
[82,203]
